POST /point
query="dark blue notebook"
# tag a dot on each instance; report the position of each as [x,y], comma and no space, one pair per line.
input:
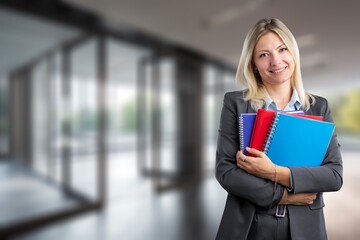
[246,124]
[296,141]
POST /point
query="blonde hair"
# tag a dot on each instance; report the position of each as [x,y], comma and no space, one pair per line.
[246,72]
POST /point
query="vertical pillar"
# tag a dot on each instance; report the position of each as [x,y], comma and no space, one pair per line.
[19,120]
[189,99]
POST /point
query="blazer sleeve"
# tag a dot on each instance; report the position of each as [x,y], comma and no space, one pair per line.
[329,176]
[233,179]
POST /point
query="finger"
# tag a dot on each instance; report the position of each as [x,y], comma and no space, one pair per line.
[315,196]
[254,151]
[312,199]
[240,163]
[240,159]
[239,154]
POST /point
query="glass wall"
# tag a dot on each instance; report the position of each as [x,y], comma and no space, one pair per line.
[49,121]
[51,108]
[83,116]
[210,116]
[40,122]
[124,178]
[217,82]
[56,116]
[158,126]
[168,117]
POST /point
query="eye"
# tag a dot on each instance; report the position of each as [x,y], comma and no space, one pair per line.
[263,55]
[283,49]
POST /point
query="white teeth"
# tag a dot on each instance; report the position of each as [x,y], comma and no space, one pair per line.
[278,70]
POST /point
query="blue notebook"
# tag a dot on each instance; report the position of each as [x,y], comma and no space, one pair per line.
[246,124]
[295,141]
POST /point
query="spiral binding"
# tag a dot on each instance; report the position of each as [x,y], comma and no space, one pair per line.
[241,129]
[270,134]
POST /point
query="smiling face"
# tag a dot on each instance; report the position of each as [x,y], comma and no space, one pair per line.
[273,61]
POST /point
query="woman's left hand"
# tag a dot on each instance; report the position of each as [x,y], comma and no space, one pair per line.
[258,164]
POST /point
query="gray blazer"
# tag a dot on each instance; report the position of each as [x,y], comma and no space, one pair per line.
[247,192]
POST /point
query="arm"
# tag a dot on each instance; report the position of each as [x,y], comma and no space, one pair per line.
[234,180]
[260,165]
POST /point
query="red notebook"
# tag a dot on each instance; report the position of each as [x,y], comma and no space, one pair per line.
[263,121]
[320,118]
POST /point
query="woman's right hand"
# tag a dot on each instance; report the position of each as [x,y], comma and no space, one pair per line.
[298,198]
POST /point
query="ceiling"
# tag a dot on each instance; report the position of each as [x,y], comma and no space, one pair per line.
[24,37]
[327,31]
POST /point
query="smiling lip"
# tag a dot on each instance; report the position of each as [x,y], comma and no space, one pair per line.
[279,70]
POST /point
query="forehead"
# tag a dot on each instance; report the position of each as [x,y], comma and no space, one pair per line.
[268,41]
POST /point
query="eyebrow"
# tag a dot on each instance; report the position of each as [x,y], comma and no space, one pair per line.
[280,46]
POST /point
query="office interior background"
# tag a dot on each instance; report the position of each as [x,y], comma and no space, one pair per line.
[109,111]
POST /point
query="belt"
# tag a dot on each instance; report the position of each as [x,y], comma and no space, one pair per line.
[278,211]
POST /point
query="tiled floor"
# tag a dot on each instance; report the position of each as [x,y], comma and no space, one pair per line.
[192,213]
[24,196]
[135,212]
[342,210]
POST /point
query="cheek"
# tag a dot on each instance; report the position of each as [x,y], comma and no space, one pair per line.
[292,65]
[289,59]
[260,65]
[262,73]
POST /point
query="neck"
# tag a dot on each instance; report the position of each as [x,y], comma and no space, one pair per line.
[281,96]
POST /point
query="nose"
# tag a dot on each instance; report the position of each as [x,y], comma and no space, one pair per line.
[275,59]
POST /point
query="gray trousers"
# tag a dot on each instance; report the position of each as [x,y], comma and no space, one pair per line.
[268,226]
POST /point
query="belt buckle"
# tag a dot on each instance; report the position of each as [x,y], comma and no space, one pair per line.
[278,212]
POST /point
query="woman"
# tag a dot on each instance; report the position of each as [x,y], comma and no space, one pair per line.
[266,201]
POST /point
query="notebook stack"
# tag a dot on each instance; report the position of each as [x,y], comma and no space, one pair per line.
[287,138]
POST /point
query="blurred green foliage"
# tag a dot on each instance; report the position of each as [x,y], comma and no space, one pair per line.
[346,111]
[128,113]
